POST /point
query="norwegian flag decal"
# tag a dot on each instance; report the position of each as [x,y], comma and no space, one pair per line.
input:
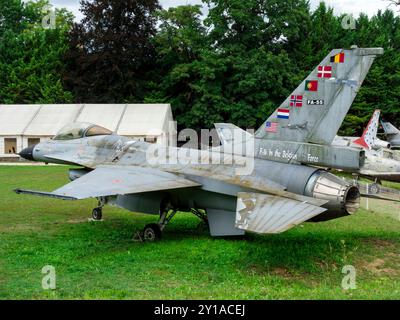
[296,101]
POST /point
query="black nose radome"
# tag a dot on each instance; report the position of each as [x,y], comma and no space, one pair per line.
[27,153]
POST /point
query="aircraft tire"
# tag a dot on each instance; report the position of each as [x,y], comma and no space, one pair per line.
[152,232]
[374,189]
[97,214]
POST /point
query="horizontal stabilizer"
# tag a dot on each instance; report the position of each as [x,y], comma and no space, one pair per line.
[378,197]
[266,214]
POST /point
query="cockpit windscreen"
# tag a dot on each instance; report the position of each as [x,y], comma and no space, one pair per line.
[78,130]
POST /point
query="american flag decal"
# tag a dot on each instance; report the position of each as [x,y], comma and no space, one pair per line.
[271,127]
[296,101]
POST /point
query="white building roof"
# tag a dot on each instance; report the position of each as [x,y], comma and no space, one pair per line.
[47,120]
[51,118]
[105,115]
[144,119]
[14,119]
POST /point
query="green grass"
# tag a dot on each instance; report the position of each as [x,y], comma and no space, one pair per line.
[100,260]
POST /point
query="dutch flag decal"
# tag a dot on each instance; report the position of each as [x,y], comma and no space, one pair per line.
[283,114]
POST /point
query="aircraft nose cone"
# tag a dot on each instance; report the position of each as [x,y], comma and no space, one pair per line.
[27,153]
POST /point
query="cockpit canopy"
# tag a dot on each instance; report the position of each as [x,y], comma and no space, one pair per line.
[78,130]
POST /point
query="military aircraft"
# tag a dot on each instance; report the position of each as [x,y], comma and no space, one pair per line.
[369,140]
[283,187]
[392,134]
[381,163]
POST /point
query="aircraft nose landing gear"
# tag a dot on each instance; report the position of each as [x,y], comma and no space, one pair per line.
[97,213]
[152,232]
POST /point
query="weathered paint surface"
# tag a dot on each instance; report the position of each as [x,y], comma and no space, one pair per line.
[265,214]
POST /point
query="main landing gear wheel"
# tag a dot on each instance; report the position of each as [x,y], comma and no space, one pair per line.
[97,214]
[152,232]
[374,188]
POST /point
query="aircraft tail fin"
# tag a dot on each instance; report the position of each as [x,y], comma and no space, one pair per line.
[315,110]
[390,129]
[368,138]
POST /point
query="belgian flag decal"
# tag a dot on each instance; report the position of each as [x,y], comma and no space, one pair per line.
[339,58]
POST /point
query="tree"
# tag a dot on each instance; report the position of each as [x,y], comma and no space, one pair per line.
[180,44]
[30,55]
[394,2]
[231,69]
[381,89]
[111,51]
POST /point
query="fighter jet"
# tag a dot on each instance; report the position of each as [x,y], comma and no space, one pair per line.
[392,134]
[381,163]
[270,187]
[369,140]
[377,162]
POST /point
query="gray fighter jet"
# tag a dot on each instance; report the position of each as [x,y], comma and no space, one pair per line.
[381,163]
[376,161]
[267,183]
[392,134]
[369,140]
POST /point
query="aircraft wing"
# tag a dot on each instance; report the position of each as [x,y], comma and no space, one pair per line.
[109,181]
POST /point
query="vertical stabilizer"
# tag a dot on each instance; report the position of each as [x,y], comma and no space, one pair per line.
[315,110]
[369,137]
[392,134]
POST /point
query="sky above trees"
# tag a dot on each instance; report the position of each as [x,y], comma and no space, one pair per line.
[369,7]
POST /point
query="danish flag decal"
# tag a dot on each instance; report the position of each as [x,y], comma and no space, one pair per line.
[324,71]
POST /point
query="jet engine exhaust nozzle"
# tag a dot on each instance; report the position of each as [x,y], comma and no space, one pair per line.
[344,197]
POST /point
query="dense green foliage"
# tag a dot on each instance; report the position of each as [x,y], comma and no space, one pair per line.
[237,64]
[111,51]
[30,55]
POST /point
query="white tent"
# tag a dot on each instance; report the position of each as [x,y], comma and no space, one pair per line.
[24,125]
